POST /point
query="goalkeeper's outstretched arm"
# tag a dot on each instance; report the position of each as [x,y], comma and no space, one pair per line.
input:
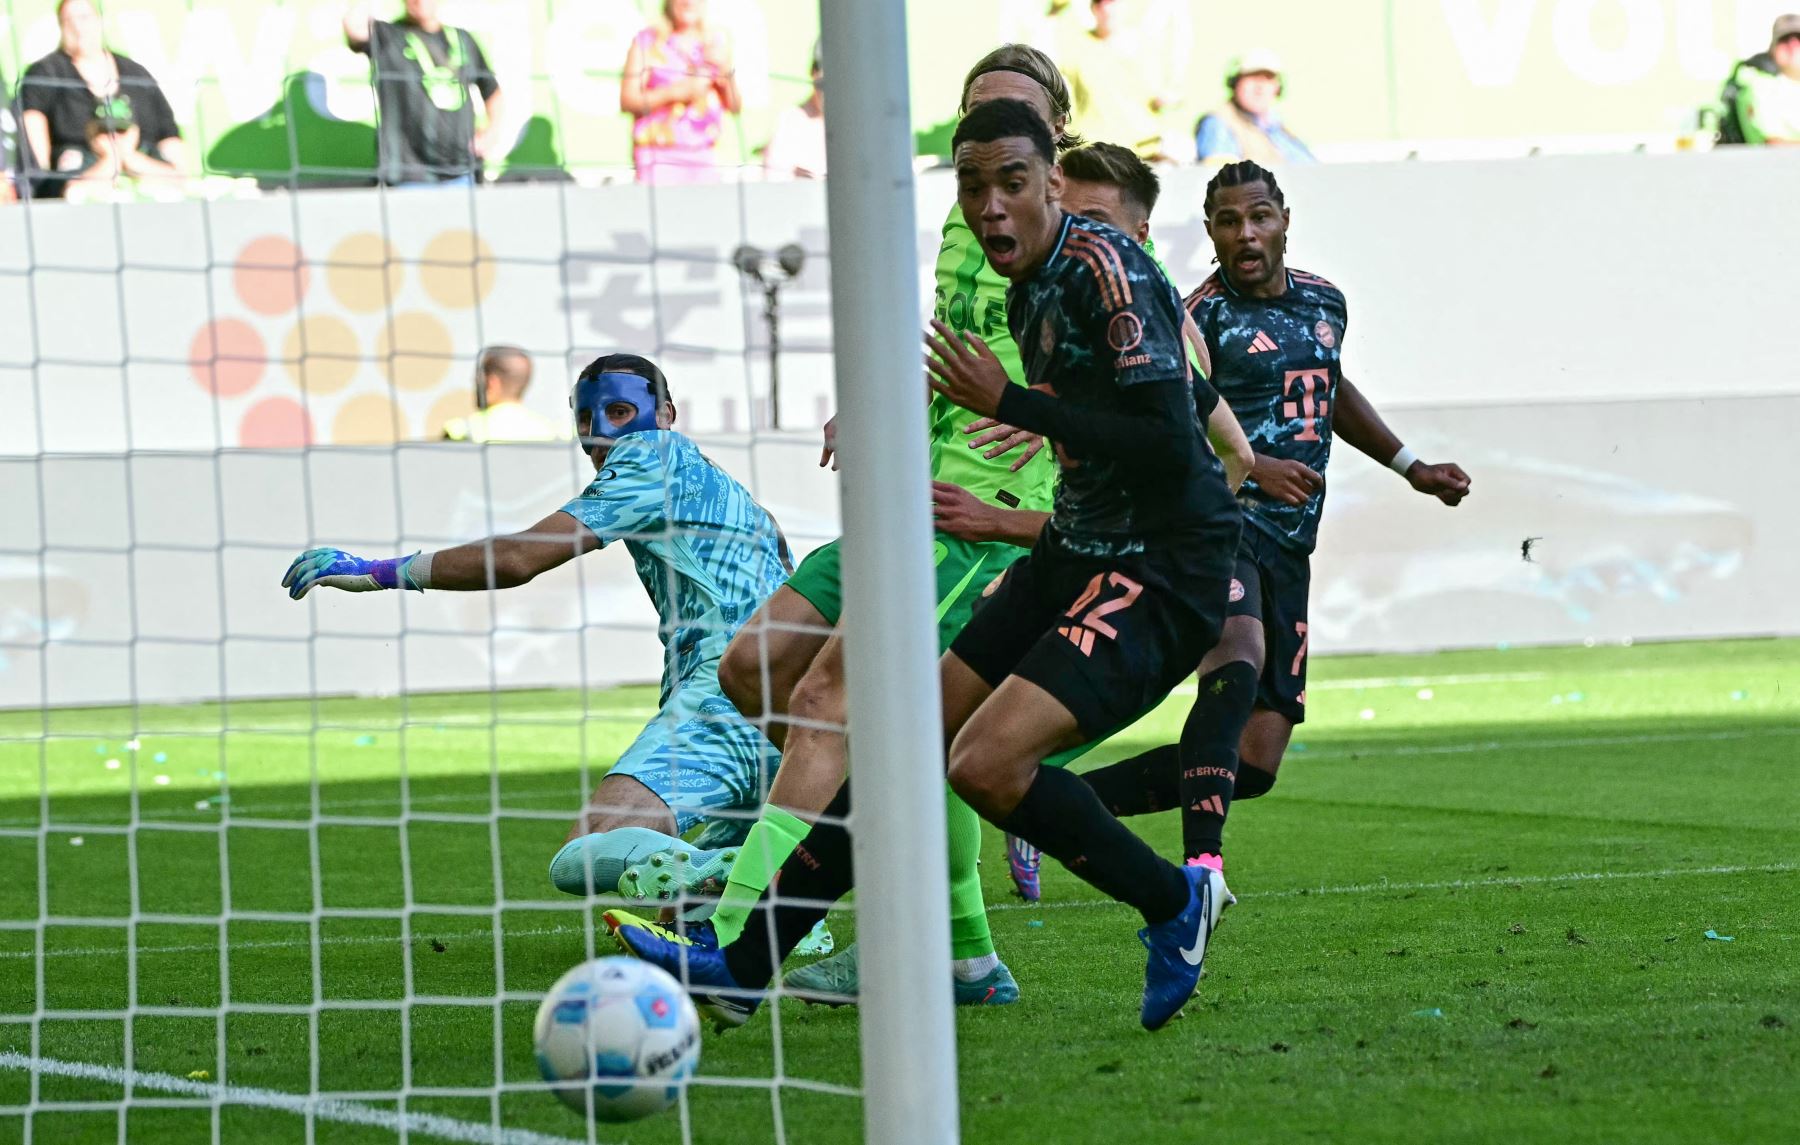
[505,561]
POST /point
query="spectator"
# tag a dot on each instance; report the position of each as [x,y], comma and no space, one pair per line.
[797,148]
[502,374]
[9,145]
[678,87]
[62,93]
[1114,89]
[423,69]
[1247,126]
[112,139]
[1761,100]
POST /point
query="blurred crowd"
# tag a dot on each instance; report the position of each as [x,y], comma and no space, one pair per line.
[87,122]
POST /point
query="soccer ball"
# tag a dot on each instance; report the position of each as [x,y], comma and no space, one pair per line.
[621,1030]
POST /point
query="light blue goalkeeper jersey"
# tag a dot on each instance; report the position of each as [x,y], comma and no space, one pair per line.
[706,552]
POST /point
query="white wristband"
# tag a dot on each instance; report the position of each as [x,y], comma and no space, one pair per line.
[417,574]
[1403,460]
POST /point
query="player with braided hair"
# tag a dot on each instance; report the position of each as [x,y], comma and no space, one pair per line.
[1276,336]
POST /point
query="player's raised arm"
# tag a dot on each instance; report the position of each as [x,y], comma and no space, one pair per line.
[617,415]
[1356,421]
[505,561]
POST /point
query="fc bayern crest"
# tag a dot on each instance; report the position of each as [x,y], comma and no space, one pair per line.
[1326,335]
[1237,590]
[1047,336]
[1125,332]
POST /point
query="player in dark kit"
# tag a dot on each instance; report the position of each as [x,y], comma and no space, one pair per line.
[1276,336]
[1123,592]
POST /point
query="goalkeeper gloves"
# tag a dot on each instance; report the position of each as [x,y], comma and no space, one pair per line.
[335,568]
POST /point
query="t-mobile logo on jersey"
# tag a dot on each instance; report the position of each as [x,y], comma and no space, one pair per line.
[1308,409]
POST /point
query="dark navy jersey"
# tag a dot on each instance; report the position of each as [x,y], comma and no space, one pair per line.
[1276,361]
[1098,319]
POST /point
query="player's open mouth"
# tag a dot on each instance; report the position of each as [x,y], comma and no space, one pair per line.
[1000,247]
[1247,261]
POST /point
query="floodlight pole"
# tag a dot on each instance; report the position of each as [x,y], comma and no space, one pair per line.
[897,809]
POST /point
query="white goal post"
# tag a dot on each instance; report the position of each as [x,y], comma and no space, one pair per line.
[908,1035]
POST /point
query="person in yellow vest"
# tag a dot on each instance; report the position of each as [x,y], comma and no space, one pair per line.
[422,69]
[1247,126]
[1114,88]
[501,375]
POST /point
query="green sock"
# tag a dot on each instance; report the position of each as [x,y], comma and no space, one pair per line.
[969,934]
[771,840]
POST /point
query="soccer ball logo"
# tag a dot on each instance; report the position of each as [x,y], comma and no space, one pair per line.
[619,1033]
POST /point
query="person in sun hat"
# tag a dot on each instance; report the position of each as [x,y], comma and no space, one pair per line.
[1247,127]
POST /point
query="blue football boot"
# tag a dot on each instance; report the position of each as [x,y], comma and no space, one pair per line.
[1178,947]
[698,964]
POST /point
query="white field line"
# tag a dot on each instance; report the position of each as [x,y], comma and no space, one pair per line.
[1520,881]
[321,1109]
[1403,681]
[414,726]
[1374,749]
[1377,749]
[601,944]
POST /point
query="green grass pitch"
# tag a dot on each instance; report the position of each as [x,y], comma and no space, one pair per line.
[1475,908]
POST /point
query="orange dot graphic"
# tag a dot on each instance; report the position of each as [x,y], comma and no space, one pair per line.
[457,269]
[458,403]
[275,423]
[321,354]
[414,351]
[271,275]
[227,357]
[368,419]
[364,272]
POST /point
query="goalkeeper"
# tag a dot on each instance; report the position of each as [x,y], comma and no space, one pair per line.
[707,554]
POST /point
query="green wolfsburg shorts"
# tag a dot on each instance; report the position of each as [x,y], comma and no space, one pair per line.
[964,568]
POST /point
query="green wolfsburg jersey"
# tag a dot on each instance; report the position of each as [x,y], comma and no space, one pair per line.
[971,296]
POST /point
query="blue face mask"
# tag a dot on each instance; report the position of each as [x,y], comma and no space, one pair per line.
[595,392]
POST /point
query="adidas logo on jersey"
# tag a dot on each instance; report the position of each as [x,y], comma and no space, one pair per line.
[1262,343]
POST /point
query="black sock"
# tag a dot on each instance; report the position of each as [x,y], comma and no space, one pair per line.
[1062,817]
[1209,755]
[819,869]
[1142,785]
[1252,781]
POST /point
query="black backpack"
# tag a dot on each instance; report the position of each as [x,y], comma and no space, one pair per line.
[1731,112]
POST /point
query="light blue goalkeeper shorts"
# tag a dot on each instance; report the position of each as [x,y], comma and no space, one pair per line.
[701,756]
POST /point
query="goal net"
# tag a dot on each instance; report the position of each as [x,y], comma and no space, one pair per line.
[277,871]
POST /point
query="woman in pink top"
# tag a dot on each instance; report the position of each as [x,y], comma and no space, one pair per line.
[678,87]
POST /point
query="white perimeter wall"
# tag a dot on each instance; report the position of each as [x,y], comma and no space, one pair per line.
[1608,344]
